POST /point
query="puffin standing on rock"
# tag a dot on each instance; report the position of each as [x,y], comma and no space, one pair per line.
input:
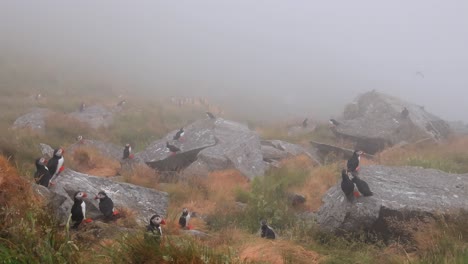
[346,184]
[353,163]
[78,210]
[55,164]
[79,139]
[333,122]
[362,186]
[42,175]
[106,205]
[127,151]
[210,115]
[179,135]
[173,149]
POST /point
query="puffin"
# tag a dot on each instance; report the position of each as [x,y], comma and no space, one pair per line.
[362,186]
[55,164]
[267,231]
[82,107]
[78,210]
[79,139]
[184,218]
[304,123]
[42,175]
[404,113]
[173,149]
[210,115]
[106,205]
[334,122]
[353,162]
[179,135]
[154,226]
[122,103]
[346,184]
[127,151]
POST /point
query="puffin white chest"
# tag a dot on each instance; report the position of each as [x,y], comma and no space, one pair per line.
[83,209]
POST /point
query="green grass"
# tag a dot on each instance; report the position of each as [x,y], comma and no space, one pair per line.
[169,249]
[453,163]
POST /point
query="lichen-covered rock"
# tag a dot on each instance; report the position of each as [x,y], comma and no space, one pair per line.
[398,191]
[144,202]
[376,120]
[34,120]
[223,144]
[95,116]
[274,150]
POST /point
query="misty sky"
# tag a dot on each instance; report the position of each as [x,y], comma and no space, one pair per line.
[297,57]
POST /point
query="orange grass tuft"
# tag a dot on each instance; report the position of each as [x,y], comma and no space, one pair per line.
[90,161]
[319,181]
[277,252]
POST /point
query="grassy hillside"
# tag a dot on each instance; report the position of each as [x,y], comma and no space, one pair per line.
[29,235]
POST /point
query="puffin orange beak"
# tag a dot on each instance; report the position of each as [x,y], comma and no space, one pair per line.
[163,222]
[85,195]
[95,197]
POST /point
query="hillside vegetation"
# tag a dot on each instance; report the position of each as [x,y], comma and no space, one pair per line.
[28,233]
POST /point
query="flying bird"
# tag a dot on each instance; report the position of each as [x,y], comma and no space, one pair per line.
[420,74]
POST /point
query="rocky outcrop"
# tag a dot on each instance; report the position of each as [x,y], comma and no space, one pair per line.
[95,116]
[34,120]
[376,120]
[275,150]
[459,127]
[105,148]
[402,192]
[46,150]
[326,151]
[142,201]
[223,144]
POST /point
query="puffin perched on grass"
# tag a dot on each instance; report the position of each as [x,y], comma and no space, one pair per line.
[106,205]
[127,151]
[42,175]
[267,231]
[154,227]
[184,219]
[78,210]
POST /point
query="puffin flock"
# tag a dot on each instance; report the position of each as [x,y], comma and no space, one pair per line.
[47,171]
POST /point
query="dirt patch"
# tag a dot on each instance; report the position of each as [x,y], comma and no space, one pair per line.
[277,252]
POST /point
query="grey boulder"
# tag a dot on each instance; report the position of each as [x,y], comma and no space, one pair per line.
[95,116]
[211,145]
[274,150]
[398,191]
[144,202]
[375,120]
[34,120]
